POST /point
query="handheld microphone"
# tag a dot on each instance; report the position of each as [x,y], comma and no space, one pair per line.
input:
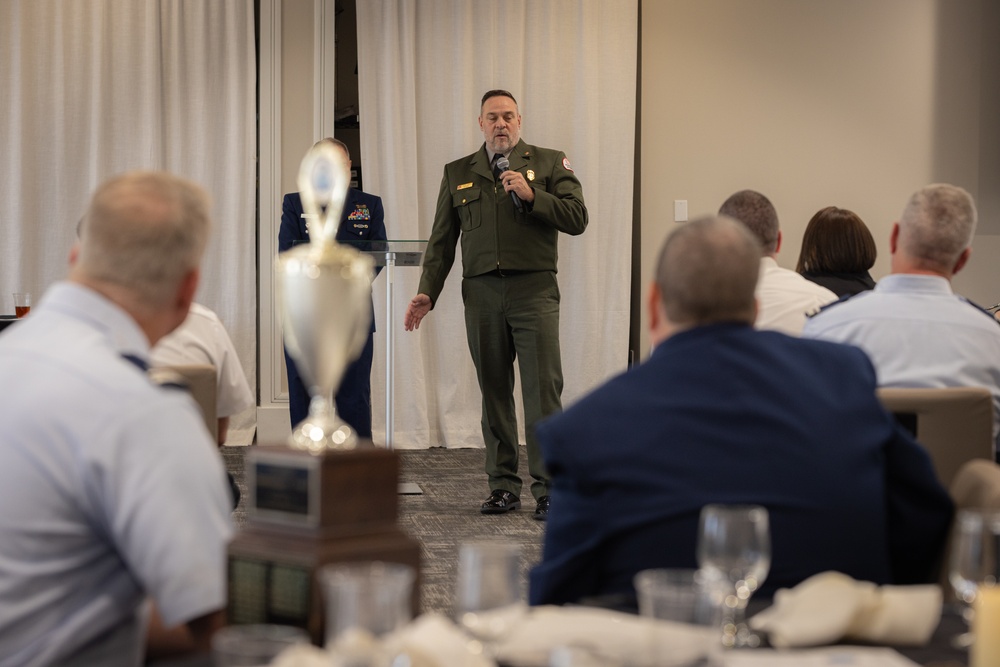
[503,164]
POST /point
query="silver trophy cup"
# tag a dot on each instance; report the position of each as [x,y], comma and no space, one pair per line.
[324,300]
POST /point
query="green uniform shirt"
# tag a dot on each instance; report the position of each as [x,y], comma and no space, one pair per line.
[473,205]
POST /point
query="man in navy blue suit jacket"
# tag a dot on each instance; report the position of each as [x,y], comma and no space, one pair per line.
[362,220]
[721,413]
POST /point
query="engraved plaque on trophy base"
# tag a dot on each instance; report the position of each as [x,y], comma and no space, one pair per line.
[305,511]
[340,490]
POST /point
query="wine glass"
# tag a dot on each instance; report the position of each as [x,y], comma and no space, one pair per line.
[973,561]
[488,581]
[734,550]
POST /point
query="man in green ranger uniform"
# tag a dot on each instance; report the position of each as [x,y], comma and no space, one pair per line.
[508,221]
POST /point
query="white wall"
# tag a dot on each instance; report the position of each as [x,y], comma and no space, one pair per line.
[979,281]
[851,103]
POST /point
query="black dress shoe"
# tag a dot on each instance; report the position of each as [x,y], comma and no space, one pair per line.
[500,501]
[542,509]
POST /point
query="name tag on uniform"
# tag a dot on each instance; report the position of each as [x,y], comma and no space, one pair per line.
[464,186]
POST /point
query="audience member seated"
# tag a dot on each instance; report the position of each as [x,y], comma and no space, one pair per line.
[837,252]
[112,490]
[915,329]
[721,413]
[783,296]
[202,339]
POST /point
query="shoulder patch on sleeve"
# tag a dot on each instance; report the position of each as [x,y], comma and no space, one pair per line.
[168,379]
[566,164]
[984,311]
[821,309]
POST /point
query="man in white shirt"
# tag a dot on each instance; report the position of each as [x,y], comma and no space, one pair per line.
[917,332]
[202,339]
[784,297]
[112,491]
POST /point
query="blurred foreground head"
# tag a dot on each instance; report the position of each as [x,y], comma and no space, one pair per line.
[707,273]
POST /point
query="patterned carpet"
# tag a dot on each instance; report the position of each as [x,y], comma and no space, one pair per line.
[447,514]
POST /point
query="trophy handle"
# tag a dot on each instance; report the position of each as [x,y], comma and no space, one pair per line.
[324,178]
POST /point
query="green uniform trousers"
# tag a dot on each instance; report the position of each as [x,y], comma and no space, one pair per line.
[508,317]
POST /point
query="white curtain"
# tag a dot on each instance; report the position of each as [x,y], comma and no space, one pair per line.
[423,67]
[92,88]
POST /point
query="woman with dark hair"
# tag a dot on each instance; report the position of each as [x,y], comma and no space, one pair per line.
[837,251]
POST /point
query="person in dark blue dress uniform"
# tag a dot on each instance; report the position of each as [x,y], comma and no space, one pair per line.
[361,220]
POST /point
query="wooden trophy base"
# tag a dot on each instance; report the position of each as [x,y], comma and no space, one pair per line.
[306,511]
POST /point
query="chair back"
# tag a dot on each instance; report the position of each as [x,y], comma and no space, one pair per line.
[977,485]
[201,380]
[955,424]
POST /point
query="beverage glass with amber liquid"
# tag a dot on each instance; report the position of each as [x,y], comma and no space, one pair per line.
[22,304]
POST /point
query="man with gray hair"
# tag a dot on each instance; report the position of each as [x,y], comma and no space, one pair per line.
[916,331]
[112,490]
[721,413]
[784,297]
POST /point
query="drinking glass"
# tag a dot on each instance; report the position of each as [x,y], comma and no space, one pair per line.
[488,580]
[22,304]
[365,601]
[253,645]
[670,594]
[681,596]
[973,561]
[734,550]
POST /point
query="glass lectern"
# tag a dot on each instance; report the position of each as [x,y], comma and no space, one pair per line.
[392,254]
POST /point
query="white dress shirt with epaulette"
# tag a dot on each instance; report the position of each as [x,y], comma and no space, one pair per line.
[784,298]
[201,339]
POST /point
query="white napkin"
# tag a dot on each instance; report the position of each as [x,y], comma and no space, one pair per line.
[433,640]
[833,656]
[831,606]
[302,655]
[616,637]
